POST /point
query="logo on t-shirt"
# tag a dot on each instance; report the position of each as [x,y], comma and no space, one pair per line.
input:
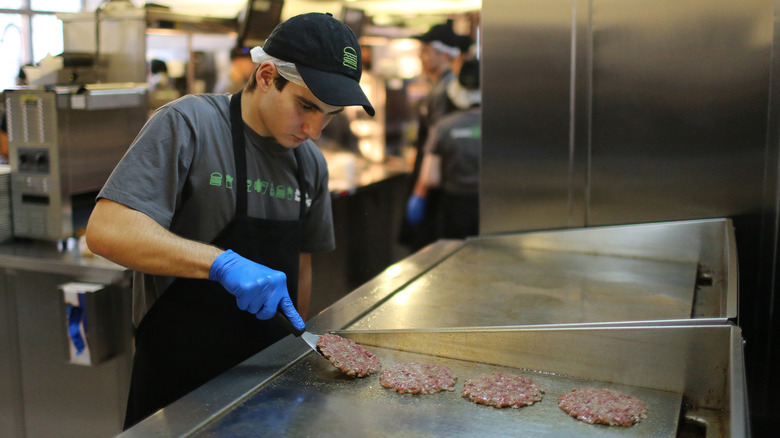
[261,187]
[215,179]
[472,132]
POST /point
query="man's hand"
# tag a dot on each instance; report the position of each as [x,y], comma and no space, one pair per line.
[258,289]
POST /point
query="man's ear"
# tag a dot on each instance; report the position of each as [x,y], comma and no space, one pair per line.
[265,75]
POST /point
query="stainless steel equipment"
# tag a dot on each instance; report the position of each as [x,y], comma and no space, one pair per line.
[611,112]
[660,365]
[607,112]
[310,339]
[37,378]
[679,273]
[63,144]
[110,42]
[687,366]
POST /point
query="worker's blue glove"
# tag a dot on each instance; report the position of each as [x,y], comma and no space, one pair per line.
[415,210]
[258,289]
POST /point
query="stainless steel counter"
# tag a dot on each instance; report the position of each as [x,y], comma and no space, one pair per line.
[42,256]
[669,353]
[42,392]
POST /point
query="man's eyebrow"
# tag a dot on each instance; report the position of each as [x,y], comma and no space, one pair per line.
[308,102]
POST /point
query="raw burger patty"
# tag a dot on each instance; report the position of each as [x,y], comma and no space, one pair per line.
[348,356]
[603,406]
[502,390]
[417,378]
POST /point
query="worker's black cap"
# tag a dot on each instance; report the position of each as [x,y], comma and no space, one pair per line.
[326,54]
[442,33]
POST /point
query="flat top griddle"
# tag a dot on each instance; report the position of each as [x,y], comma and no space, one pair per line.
[643,271]
[495,286]
[313,398]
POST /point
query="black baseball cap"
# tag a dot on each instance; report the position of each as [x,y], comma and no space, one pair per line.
[442,33]
[326,54]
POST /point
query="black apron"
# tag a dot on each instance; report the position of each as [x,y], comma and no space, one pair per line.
[195,330]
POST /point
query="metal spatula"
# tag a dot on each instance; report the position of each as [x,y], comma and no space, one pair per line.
[310,338]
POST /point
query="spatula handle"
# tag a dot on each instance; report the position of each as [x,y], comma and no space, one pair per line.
[281,318]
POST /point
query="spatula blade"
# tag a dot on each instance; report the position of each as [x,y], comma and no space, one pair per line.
[311,339]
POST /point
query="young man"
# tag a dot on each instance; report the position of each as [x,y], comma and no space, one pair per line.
[217,206]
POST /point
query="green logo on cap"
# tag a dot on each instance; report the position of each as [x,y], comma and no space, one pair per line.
[350,58]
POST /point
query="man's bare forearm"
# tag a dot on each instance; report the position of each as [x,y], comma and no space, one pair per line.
[134,240]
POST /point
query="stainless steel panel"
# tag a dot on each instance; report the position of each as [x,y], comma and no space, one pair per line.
[94,137]
[527,177]
[46,395]
[11,412]
[79,395]
[678,126]
[607,112]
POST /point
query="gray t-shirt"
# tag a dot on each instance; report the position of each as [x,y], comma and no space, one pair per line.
[457,140]
[180,172]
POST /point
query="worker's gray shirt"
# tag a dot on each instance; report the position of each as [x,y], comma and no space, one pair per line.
[180,172]
[457,139]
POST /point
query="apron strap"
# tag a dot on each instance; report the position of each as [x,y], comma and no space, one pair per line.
[301,183]
[239,152]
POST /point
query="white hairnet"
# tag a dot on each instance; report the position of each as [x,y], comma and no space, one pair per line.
[286,69]
[441,47]
[462,97]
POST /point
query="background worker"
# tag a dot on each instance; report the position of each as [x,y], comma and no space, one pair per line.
[241,68]
[440,47]
[451,161]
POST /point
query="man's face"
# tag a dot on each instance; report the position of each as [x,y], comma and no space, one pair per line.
[292,115]
[433,61]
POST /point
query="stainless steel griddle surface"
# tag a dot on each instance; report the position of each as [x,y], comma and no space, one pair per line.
[494,286]
[313,398]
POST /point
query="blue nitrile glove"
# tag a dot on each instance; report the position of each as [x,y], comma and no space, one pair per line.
[258,289]
[415,209]
[74,328]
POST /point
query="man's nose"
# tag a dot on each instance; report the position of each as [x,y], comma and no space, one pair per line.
[313,126]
